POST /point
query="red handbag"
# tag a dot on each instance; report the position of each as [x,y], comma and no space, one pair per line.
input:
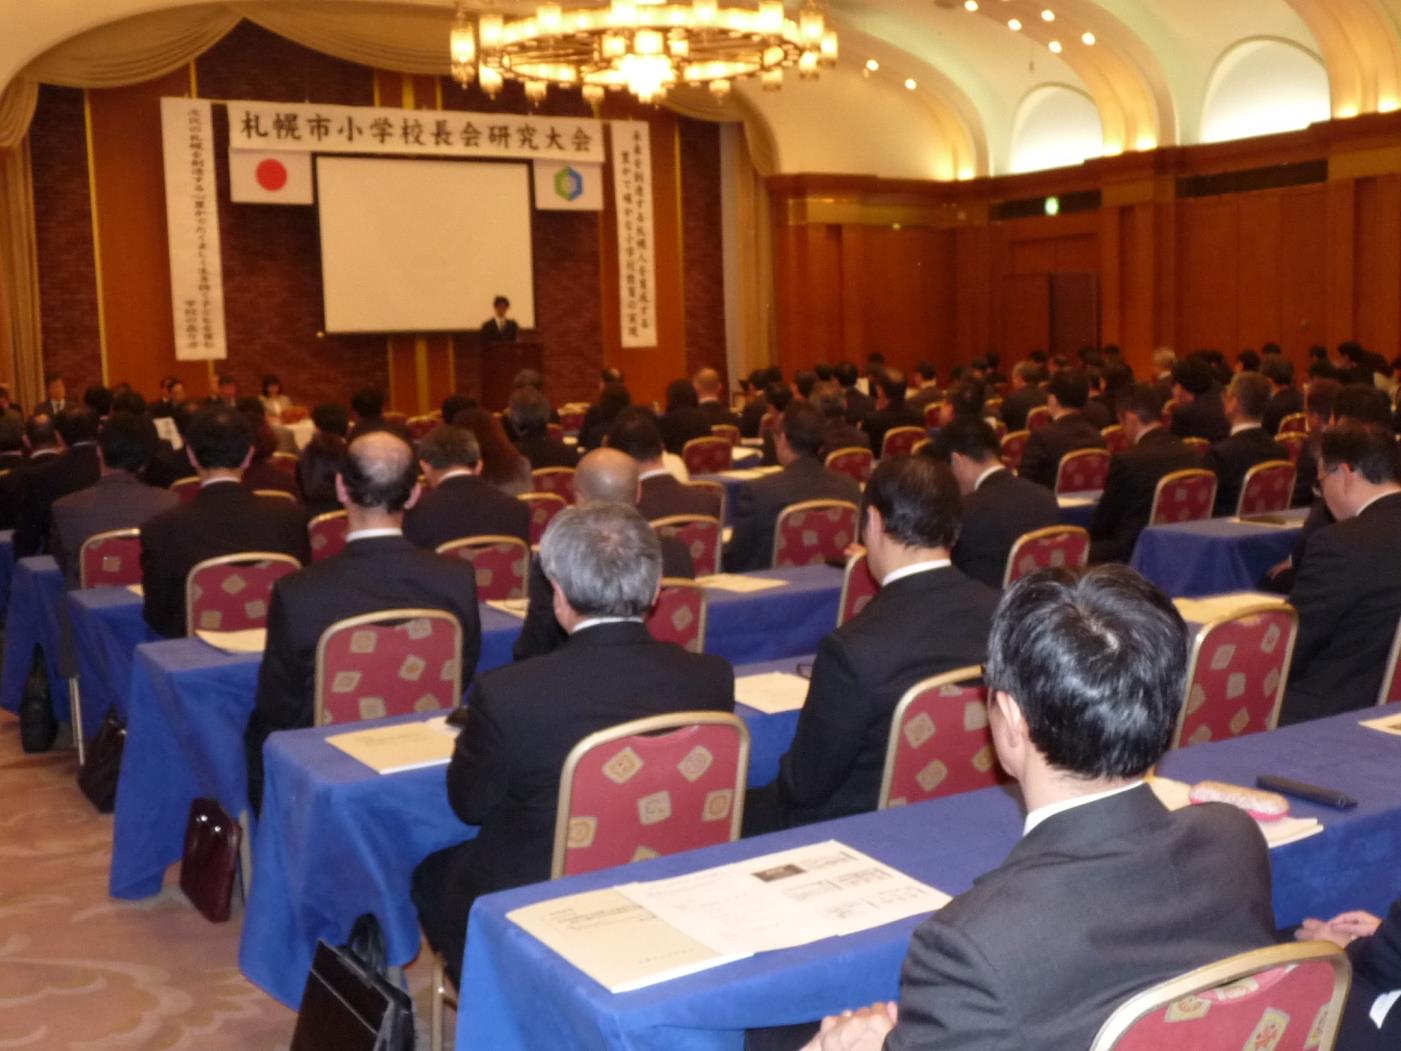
[209,863]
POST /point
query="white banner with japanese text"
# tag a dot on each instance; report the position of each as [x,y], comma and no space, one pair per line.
[192,228]
[632,194]
[288,126]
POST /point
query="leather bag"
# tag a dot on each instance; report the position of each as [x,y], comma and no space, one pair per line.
[348,1003]
[209,864]
[97,777]
[37,725]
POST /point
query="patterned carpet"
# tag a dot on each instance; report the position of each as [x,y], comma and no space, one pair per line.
[81,971]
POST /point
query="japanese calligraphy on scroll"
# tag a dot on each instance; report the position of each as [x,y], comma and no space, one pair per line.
[192,227]
[632,191]
[315,128]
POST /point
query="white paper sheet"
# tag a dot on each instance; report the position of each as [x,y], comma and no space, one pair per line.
[1390,724]
[1082,499]
[739,582]
[403,746]
[136,589]
[748,474]
[772,692]
[1213,607]
[1175,795]
[515,607]
[250,640]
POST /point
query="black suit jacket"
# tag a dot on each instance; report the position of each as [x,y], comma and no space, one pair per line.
[680,425]
[116,501]
[1376,969]
[858,405]
[877,423]
[12,485]
[1042,455]
[507,332]
[168,465]
[1099,411]
[1348,594]
[47,408]
[1123,509]
[41,486]
[915,627]
[994,516]
[754,411]
[842,435]
[1231,457]
[663,496]
[1282,403]
[543,451]
[462,506]
[716,412]
[1093,905]
[1202,417]
[758,503]
[1018,404]
[224,519]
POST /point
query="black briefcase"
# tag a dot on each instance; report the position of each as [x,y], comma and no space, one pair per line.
[37,725]
[97,777]
[348,1003]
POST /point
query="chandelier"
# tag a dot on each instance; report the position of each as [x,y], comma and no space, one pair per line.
[644,46]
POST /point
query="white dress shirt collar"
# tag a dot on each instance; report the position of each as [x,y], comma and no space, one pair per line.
[589,622]
[986,475]
[219,481]
[1247,426]
[372,534]
[456,472]
[911,570]
[1040,814]
[655,472]
[1379,496]
[1147,431]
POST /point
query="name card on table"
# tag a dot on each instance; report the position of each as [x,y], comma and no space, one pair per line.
[1391,724]
[515,607]
[772,692]
[249,640]
[738,582]
[403,746]
[137,590]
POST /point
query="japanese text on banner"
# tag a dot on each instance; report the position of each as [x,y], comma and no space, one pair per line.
[192,226]
[632,190]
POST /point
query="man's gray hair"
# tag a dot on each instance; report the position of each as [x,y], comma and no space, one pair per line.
[606,559]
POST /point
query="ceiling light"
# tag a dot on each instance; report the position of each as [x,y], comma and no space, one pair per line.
[1048,15]
[872,65]
[1014,24]
[1088,38]
[970,5]
[910,83]
[1055,47]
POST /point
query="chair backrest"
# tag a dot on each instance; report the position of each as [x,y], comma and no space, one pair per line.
[1197,445]
[1169,407]
[1236,674]
[110,559]
[1037,417]
[812,532]
[276,494]
[707,455]
[557,480]
[1057,546]
[715,488]
[1115,440]
[185,488]
[1282,998]
[1013,444]
[555,431]
[391,662]
[701,535]
[998,427]
[397,418]
[1082,471]
[1295,421]
[326,533]
[1293,442]
[679,614]
[939,742]
[1268,486]
[543,508]
[286,463]
[898,441]
[571,417]
[993,406]
[932,411]
[853,461]
[1391,680]
[858,587]
[648,788]
[728,431]
[421,426]
[232,592]
[502,564]
[1183,496]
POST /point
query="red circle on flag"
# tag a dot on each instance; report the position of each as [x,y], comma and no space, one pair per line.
[271,175]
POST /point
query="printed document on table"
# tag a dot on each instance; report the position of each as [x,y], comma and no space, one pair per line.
[739,582]
[786,899]
[772,692]
[1214,607]
[137,590]
[516,607]
[1390,724]
[249,640]
[403,746]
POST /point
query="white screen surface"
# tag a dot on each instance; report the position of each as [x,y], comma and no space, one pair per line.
[422,246]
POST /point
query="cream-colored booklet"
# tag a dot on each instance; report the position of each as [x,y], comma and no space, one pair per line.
[739,582]
[249,640]
[403,746]
[772,692]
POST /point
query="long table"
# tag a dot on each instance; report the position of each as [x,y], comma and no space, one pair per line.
[36,587]
[518,994]
[1219,554]
[7,568]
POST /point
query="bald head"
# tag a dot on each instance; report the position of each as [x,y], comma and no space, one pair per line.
[379,472]
[707,383]
[606,476]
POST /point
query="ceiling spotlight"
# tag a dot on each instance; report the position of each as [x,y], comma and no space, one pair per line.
[970,5]
[1048,15]
[1014,24]
[1055,47]
[1088,39]
[910,83]
[872,65]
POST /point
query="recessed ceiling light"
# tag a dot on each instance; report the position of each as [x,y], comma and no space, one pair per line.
[1055,47]
[1088,38]
[1014,24]
[970,5]
[872,64]
[910,83]
[1048,15]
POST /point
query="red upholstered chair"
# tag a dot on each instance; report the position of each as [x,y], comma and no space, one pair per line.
[555,431]
[501,564]
[399,419]
[185,488]
[286,463]
[707,455]
[999,428]
[858,587]
[1236,674]
[920,446]
[679,614]
[717,489]
[1115,440]
[728,431]
[1268,486]
[900,440]
[812,532]
[1057,546]
[648,788]
[275,494]
[1391,681]
[1293,442]
[421,426]
[392,662]
[1082,471]
[543,508]
[992,407]
[1197,445]
[1183,496]
[110,559]
[1281,998]
[571,417]
[557,480]
[939,742]
[853,461]
[700,534]
[1295,421]
[1037,418]
[931,413]
[231,592]
[1012,446]
[327,534]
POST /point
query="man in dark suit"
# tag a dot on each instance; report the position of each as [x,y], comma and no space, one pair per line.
[635,432]
[530,419]
[1371,1019]
[709,390]
[378,570]
[1108,892]
[56,397]
[1067,431]
[223,519]
[41,445]
[458,503]
[499,328]
[118,500]
[998,507]
[757,507]
[11,440]
[1124,507]
[1285,399]
[169,464]
[1248,444]
[172,394]
[927,392]
[926,619]
[1026,394]
[1198,412]
[859,405]
[836,432]
[756,407]
[604,567]
[891,410]
[74,469]
[683,419]
[1348,587]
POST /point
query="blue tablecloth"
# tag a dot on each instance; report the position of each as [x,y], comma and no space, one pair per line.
[32,620]
[7,568]
[732,486]
[518,994]
[1079,514]
[745,628]
[107,628]
[337,840]
[1212,556]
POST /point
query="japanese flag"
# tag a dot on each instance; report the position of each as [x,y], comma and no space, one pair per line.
[265,177]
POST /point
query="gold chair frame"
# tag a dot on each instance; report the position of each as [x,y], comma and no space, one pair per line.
[276,494]
[1176,476]
[681,520]
[1039,534]
[885,442]
[847,573]
[111,534]
[1392,658]
[237,558]
[1261,468]
[690,585]
[451,547]
[846,450]
[957,677]
[811,505]
[1072,456]
[718,488]
[706,441]
[535,477]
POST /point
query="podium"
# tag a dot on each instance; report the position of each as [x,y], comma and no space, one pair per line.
[499,364]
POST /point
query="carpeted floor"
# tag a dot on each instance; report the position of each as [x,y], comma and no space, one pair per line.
[80,971]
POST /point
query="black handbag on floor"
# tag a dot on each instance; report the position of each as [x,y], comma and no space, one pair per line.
[348,1003]
[97,777]
[37,725]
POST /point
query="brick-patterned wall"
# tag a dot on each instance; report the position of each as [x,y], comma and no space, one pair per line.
[701,245]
